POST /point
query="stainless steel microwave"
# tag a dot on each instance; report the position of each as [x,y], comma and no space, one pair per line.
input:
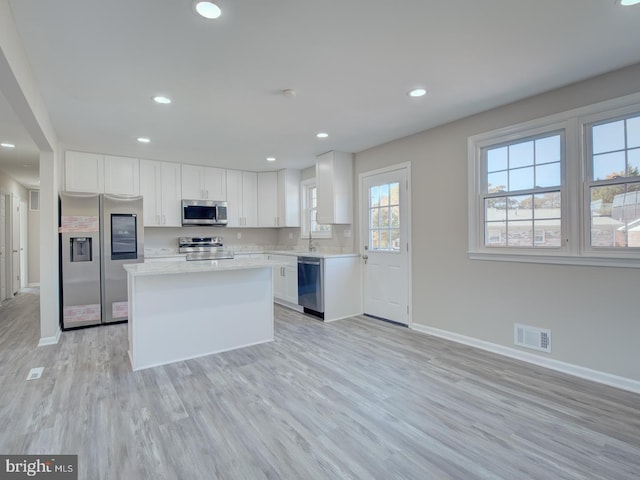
[204,213]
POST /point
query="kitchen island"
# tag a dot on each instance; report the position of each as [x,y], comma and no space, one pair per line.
[179,311]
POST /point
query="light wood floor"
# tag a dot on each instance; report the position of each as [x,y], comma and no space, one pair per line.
[352,399]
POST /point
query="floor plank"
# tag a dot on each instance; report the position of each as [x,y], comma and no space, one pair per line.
[353,399]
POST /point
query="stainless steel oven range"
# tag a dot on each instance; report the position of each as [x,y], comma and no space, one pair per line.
[203,248]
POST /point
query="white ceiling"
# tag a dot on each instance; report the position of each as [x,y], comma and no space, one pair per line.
[98,63]
[21,162]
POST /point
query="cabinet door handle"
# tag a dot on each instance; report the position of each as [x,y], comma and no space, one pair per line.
[164,219]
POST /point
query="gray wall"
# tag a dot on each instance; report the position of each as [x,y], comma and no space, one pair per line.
[33,246]
[591,311]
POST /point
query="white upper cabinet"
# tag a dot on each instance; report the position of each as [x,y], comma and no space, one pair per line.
[289,198]
[160,187]
[279,198]
[267,199]
[121,175]
[95,173]
[334,182]
[84,172]
[242,198]
[204,183]
[250,199]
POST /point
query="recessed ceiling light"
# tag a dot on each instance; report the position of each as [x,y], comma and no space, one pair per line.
[271,159]
[162,99]
[417,92]
[144,139]
[207,9]
[322,135]
[628,3]
[7,145]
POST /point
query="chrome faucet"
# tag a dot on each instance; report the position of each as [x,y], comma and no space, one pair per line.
[312,245]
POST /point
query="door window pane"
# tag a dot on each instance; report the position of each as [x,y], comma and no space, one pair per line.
[374,197]
[384,217]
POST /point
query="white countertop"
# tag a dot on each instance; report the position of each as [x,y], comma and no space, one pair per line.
[167,268]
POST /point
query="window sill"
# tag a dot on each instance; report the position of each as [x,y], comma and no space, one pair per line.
[557,259]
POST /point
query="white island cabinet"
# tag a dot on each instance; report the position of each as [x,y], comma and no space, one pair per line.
[179,311]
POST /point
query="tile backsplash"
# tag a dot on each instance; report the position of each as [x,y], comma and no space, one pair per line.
[163,240]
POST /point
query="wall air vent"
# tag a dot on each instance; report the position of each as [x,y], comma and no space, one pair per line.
[532,337]
[34,200]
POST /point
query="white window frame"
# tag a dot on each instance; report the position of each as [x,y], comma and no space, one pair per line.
[585,122]
[305,188]
[575,216]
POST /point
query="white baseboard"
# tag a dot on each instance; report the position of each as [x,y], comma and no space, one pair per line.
[33,285]
[44,341]
[287,304]
[575,370]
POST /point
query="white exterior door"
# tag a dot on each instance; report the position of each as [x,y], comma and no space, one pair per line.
[384,221]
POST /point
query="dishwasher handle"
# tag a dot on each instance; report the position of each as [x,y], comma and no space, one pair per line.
[307,261]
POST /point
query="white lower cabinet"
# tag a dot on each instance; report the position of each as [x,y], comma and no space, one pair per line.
[342,287]
[285,279]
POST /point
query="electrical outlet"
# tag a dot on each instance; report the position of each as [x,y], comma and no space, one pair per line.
[347,233]
[35,373]
[239,236]
[290,235]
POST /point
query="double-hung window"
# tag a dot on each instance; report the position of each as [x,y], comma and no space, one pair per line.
[561,189]
[613,183]
[309,212]
[522,192]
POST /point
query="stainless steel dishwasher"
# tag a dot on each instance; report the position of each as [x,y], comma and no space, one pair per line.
[311,285]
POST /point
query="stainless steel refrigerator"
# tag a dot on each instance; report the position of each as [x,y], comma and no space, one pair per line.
[98,235]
